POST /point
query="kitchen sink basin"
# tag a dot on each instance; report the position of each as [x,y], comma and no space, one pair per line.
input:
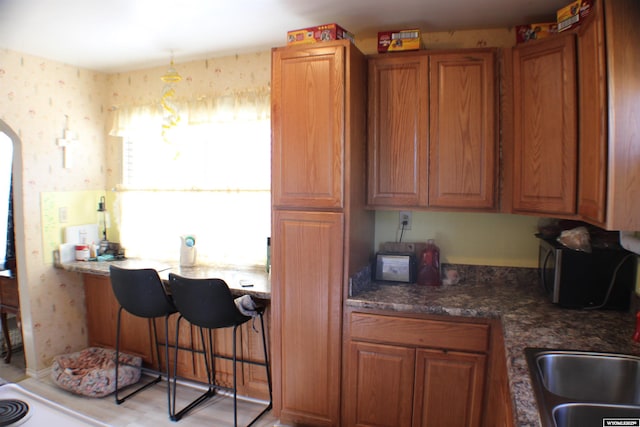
[581,388]
[605,378]
[587,415]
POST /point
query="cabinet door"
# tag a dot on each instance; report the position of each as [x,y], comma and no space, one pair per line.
[545,128]
[462,142]
[448,389]
[307,119]
[592,178]
[306,282]
[102,314]
[379,385]
[398,130]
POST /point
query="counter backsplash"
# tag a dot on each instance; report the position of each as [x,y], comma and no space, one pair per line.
[458,274]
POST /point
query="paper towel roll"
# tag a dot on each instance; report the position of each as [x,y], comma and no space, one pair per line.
[630,241]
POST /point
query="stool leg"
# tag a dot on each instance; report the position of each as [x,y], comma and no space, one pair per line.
[235,380]
[118,401]
[166,360]
[172,412]
[266,361]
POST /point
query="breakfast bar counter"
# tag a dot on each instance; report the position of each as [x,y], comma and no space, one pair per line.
[136,338]
[241,280]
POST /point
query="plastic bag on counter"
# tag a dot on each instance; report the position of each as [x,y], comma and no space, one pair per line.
[576,238]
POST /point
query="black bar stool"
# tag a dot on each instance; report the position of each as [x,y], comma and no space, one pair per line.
[141,293]
[208,304]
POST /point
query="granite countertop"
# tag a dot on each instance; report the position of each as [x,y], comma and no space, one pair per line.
[528,320]
[241,281]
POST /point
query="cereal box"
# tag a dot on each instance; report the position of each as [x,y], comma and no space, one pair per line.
[321,33]
[395,41]
[524,33]
[573,14]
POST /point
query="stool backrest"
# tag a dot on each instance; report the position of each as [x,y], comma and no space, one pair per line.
[205,302]
[140,292]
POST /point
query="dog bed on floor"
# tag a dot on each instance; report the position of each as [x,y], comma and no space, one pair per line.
[92,371]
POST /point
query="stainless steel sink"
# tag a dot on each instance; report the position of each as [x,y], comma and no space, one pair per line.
[579,388]
[587,415]
[605,378]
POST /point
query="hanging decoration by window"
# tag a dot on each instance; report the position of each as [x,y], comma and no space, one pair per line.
[171,117]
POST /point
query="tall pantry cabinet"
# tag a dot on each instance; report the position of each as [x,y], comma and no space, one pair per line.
[321,233]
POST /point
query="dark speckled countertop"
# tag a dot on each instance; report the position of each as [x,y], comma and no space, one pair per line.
[528,320]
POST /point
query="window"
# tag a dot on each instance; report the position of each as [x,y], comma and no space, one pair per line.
[208,178]
[6,158]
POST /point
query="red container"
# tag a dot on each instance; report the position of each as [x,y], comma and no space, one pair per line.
[429,267]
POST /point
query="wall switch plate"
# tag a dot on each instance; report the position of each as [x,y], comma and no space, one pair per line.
[404,217]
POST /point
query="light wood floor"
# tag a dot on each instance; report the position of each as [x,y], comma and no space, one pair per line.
[149,408]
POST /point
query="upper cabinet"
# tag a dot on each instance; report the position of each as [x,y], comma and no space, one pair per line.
[462,130]
[592,129]
[576,151]
[398,129]
[432,130]
[307,127]
[622,38]
[545,135]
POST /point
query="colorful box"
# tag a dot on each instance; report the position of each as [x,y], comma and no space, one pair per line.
[321,33]
[401,40]
[573,14]
[524,33]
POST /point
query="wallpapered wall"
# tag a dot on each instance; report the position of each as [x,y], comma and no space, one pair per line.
[39,98]
[36,97]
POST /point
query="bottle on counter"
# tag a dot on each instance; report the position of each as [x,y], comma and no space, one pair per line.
[268,264]
[429,265]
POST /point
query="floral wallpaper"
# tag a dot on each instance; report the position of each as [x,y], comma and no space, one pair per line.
[40,98]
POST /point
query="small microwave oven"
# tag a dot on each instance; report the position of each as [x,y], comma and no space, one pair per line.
[604,278]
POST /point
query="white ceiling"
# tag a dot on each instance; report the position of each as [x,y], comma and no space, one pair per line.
[122,35]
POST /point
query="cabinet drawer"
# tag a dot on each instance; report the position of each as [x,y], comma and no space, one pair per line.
[9,292]
[450,335]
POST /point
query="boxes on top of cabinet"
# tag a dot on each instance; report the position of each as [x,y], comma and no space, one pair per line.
[524,33]
[573,14]
[400,40]
[321,33]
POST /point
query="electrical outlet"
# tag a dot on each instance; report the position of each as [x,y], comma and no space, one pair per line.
[62,214]
[404,217]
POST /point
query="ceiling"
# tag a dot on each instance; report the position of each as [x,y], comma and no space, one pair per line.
[122,35]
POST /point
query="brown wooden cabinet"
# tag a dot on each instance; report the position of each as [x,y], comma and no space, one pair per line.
[414,370]
[592,101]
[462,131]
[307,127]
[575,128]
[137,339]
[321,233]
[252,380]
[432,130]
[102,314]
[609,75]
[545,127]
[398,130]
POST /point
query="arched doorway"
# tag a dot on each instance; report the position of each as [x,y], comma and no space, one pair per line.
[10,143]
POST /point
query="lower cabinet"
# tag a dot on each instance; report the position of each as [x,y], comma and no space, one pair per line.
[102,316]
[137,339]
[407,371]
[252,379]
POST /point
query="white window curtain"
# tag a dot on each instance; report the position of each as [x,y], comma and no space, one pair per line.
[208,176]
